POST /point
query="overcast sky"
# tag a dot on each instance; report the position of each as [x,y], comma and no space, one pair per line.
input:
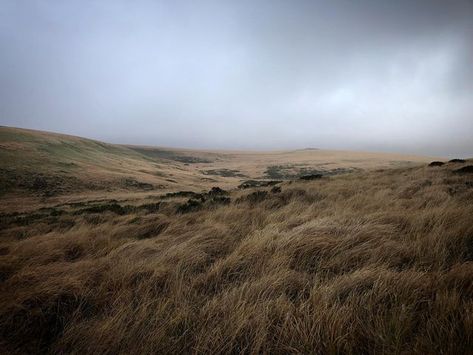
[366,75]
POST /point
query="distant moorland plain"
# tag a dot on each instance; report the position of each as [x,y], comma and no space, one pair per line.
[108,249]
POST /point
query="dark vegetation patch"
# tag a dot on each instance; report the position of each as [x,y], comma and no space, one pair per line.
[282,172]
[214,191]
[191,205]
[311,177]
[26,219]
[131,183]
[52,211]
[254,197]
[258,183]
[150,207]
[220,200]
[436,163]
[276,189]
[224,173]
[457,161]
[291,172]
[41,320]
[465,170]
[190,194]
[118,209]
[216,196]
[39,183]
[108,207]
[154,153]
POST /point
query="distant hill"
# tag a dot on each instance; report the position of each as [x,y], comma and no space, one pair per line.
[53,164]
[58,163]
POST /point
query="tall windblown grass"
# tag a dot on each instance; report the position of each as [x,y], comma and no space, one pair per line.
[377,262]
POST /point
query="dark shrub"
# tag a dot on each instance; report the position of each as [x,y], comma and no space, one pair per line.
[465,170]
[255,197]
[436,163]
[258,183]
[311,177]
[221,200]
[111,207]
[215,191]
[189,194]
[190,206]
[276,189]
[150,207]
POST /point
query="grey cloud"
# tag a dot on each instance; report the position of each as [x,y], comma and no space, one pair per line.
[380,75]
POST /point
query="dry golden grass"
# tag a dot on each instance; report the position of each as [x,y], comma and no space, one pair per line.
[369,262]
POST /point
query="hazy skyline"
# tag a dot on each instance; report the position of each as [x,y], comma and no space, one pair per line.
[364,75]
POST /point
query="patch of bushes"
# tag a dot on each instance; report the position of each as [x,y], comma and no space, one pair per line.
[258,183]
[436,163]
[224,173]
[216,191]
[191,205]
[254,197]
[135,184]
[110,207]
[465,170]
[311,177]
[150,207]
[190,194]
[223,200]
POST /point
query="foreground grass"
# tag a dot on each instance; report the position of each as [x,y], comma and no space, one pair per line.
[376,262]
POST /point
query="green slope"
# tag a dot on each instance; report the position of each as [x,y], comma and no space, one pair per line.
[36,161]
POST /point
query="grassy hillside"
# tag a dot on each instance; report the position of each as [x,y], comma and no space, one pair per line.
[376,261]
[46,165]
[55,164]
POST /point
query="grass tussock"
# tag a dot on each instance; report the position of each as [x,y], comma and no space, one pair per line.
[377,262]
